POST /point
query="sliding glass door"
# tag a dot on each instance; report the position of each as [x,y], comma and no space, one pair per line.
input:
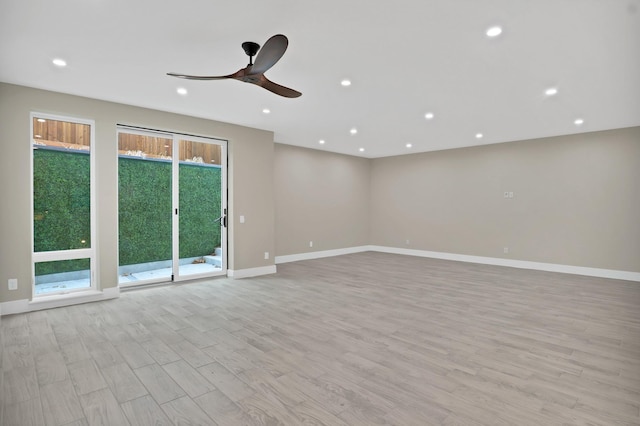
[201,216]
[172,207]
[144,207]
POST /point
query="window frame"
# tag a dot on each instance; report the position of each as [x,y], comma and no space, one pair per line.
[72,254]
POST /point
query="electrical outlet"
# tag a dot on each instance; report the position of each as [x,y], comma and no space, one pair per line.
[266,255]
[510,194]
[407,241]
[13,283]
[506,194]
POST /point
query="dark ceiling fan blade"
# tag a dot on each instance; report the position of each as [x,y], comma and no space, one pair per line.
[277,89]
[206,77]
[270,53]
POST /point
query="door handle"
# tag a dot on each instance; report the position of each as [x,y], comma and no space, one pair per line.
[223,222]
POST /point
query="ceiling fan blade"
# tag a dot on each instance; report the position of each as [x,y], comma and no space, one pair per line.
[277,89]
[270,53]
[206,77]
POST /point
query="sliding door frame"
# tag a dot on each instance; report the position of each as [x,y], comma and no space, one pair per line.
[177,137]
[175,194]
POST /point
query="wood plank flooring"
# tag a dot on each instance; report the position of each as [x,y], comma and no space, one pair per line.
[362,339]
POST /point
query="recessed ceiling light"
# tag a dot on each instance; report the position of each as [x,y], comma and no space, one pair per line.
[429,115]
[494,31]
[479,135]
[41,120]
[346,82]
[578,122]
[59,62]
[181,91]
[266,111]
[321,141]
[353,131]
[408,145]
[551,91]
[361,149]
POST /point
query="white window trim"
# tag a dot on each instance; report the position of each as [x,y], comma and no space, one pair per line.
[91,252]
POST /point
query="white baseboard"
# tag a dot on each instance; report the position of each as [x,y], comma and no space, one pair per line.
[522,264]
[15,307]
[320,254]
[57,301]
[251,272]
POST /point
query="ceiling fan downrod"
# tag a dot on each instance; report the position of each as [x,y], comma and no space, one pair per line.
[251,49]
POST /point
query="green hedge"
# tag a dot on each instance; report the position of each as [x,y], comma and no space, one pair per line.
[144,203]
[200,199]
[61,200]
[62,208]
[61,205]
[145,210]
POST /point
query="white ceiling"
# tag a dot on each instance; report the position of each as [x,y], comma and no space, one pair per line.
[404,58]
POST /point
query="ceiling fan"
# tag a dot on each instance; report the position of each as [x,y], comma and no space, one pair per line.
[253,73]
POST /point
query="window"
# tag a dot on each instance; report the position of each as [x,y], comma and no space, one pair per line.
[62,198]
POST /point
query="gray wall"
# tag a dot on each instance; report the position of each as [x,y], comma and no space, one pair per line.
[320,197]
[250,183]
[576,200]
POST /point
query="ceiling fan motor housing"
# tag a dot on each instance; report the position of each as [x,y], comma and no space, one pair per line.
[250,48]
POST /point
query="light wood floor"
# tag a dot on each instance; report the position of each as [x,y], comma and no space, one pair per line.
[362,339]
